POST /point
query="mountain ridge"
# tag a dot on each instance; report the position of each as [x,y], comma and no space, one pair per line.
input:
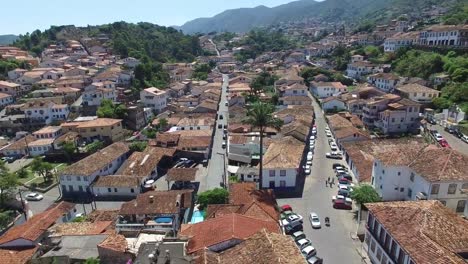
[335,11]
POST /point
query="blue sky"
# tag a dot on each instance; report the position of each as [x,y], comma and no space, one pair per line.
[21,16]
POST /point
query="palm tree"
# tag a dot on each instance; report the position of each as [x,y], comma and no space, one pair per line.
[260,115]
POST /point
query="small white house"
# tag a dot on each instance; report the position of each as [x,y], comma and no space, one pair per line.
[5,99]
[116,186]
[40,147]
[384,81]
[154,98]
[333,103]
[282,163]
[327,89]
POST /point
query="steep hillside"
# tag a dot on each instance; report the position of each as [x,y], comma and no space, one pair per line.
[349,11]
[143,40]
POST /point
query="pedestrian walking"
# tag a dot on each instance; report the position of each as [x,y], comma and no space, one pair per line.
[326,183]
[328,179]
[333,181]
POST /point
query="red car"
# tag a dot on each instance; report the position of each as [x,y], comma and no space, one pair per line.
[342,204]
[443,143]
[286,207]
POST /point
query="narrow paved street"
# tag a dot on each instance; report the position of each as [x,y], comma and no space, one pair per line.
[334,243]
[217,163]
[454,142]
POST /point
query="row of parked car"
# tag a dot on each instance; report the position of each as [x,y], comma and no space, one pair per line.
[310,154]
[335,153]
[345,184]
[292,224]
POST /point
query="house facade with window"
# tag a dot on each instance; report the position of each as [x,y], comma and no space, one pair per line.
[418,93]
[75,180]
[117,187]
[423,173]
[327,89]
[413,232]
[154,98]
[282,162]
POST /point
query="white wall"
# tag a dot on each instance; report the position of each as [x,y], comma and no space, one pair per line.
[290,178]
[84,182]
[121,191]
[334,104]
[392,186]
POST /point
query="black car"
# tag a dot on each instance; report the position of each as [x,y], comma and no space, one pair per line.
[220,126]
[291,229]
[450,130]
[458,134]
[221,117]
[431,121]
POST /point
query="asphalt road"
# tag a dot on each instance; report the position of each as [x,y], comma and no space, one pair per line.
[217,163]
[454,142]
[334,244]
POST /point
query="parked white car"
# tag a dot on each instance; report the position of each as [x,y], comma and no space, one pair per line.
[307,169]
[34,197]
[309,162]
[333,146]
[464,139]
[310,155]
[438,137]
[314,220]
[329,134]
[291,219]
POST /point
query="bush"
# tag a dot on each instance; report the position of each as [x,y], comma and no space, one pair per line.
[215,196]
[138,146]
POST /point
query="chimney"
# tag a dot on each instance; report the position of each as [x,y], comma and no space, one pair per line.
[178,200]
[151,198]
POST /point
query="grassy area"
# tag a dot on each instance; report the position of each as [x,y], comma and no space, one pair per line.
[28,178]
[60,166]
[39,182]
[352,88]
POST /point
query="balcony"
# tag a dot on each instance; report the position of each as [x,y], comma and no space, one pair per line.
[163,224]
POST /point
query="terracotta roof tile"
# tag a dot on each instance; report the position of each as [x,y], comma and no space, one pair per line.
[17,256]
[157,202]
[283,153]
[224,228]
[427,230]
[281,249]
[144,163]
[118,181]
[97,161]
[181,174]
[246,194]
[35,227]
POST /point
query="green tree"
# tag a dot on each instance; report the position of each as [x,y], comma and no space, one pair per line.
[162,124]
[365,193]
[22,173]
[108,109]
[8,183]
[260,116]
[69,149]
[94,147]
[39,166]
[5,218]
[372,51]
[92,261]
[214,196]
[138,146]
[201,72]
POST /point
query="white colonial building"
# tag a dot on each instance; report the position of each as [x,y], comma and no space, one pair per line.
[430,173]
[282,163]
[154,98]
[76,179]
[327,89]
[414,232]
[384,81]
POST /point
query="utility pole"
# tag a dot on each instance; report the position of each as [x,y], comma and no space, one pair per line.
[22,205]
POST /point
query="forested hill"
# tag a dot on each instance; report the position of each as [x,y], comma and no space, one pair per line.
[7,39]
[142,40]
[349,11]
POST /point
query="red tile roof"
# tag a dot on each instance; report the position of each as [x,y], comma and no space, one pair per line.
[35,227]
[17,256]
[221,229]
[427,230]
